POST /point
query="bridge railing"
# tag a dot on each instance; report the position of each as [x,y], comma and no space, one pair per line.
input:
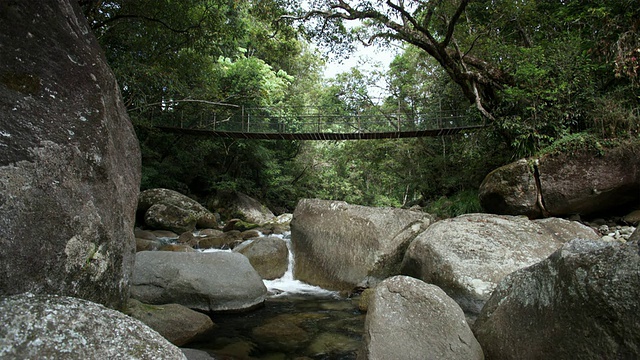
[318,120]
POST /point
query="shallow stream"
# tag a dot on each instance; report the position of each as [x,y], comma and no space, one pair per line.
[298,321]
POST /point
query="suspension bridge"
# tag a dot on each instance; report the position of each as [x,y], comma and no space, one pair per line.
[312,124]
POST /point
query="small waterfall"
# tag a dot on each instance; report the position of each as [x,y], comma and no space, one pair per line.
[288,286]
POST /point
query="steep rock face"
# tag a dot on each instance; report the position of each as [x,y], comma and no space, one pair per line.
[468,255]
[583,183]
[410,319]
[580,303]
[340,246]
[565,184]
[70,162]
[60,327]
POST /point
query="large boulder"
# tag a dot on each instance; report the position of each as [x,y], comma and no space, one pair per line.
[170,217]
[268,255]
[582,183]
[468,255]
[339,246]
[233,204]
[70,161]
[577,183]
[410,319]
[218,281]
[169,210]
[511,190]
[59,327]
[176,323]
[580,303]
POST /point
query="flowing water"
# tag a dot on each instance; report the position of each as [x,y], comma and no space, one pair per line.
[298,321]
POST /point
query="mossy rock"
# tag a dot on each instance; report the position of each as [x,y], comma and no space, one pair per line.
[244,226]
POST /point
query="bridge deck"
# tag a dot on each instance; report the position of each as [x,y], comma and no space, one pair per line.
[320,135]
[306,123]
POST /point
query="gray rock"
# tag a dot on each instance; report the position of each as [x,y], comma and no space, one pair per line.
[580,182]
[147,245]
[176,323]
[176,248]
[329,344]
[195,354]
[236,204]
[339,246]
[179,204]
[56,327]
[511,190]
[632,217]
[268,255]
[219,281]
[409,319]
[227,240]
[278,225]
[635,236]
[586,183]
[210,232]
[280,335]
[70,161]
[580,303]
[170,217]
[165,234]
[144,234]
[468,255]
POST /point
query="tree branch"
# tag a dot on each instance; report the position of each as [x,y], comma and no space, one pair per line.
[453,22]
[405,15]
[142,17]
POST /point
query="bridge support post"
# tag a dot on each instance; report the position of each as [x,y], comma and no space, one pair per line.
[242,118]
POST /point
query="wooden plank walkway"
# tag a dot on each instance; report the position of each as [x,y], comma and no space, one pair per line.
[319,136]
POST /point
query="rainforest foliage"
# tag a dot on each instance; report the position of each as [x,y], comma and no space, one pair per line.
[539,74]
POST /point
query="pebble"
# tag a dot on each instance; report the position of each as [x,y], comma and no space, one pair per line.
[614,233]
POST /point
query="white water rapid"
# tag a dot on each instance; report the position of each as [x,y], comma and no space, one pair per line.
[288,286]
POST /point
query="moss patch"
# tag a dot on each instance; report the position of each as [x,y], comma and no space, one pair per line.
[24,83]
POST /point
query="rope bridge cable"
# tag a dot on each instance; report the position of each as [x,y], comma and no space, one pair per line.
[272,124]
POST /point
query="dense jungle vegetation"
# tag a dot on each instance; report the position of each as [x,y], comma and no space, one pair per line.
[542,74]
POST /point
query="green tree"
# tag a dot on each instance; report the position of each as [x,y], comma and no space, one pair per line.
[543,70]
[192,62]
[434,27]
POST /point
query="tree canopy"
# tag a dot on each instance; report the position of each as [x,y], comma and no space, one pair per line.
[543,74]
[537,68]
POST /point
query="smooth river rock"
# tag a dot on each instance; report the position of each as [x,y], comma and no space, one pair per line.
[36,327]
[69,159]
[232,204]
[268,255]
[580,303]
[218,281]
[410,319]
[165,209]
[340,246]
[468,255]
[176,323]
